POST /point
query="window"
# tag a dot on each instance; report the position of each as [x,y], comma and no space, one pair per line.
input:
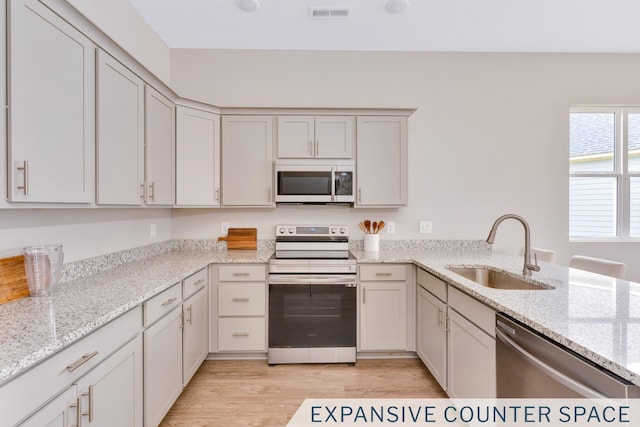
[604,167]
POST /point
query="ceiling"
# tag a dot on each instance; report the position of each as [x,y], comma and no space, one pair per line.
[426,25]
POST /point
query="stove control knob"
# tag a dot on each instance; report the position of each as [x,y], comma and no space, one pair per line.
[343,230]
[332,230]
[291,230]
[281,230]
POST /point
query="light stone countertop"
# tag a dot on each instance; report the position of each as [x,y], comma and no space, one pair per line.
[596,316]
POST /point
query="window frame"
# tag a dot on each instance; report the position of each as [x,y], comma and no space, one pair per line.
[620,173]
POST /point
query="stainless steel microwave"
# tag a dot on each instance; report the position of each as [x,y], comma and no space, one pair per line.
[315,183]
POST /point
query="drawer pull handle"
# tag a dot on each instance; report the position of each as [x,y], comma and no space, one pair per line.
[240,300]
[240,274]
[84,359]
[169,301]
[89,412]
[190,315]
[383,274]
[197,282]
[240,334]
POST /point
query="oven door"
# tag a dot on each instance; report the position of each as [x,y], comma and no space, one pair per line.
[312,311]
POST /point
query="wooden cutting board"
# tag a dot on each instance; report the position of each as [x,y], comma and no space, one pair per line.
[13,282]
[241,238]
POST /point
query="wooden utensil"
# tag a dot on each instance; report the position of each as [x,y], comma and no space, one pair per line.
[13,281]
[362,227]
[241,238]
[374,227]
[367,225]
[380,226]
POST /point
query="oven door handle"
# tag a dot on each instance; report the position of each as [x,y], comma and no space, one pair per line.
[315,280]
[563,379]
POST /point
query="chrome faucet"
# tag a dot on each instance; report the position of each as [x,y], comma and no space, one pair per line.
[528,267]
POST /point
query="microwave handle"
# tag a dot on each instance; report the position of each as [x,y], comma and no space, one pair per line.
[333,183]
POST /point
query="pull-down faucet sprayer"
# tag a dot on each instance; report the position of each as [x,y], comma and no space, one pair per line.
[528,267]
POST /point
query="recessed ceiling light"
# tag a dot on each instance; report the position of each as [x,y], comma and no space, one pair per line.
[248,5]
[397,6]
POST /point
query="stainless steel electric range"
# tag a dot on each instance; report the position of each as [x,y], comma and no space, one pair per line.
[312,296]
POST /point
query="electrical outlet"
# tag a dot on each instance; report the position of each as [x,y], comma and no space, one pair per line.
[425,227]
[391,227]
[153,230]
[224,228]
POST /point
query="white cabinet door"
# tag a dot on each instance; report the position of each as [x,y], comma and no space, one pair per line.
[120,101]
[335,137]
[162,366]
[60,412]
[111,394]
[383,318]
[322,137]
[247,161]
[381,161]
[197,157]
[471,360]
[432,335]
[296,136]
[196,333]
[160,127]
[51,117]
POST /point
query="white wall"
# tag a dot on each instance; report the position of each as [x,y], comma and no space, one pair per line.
[490,135]
[83,233]
[122,23]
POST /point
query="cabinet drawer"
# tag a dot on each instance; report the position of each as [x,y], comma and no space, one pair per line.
[478,313]
[241,299]
[242,334]
[30,390]
[161,304]
[194,283]
[242,273]
[432,284]
[383,272]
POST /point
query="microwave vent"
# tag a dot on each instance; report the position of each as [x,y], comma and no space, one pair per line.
[328,12]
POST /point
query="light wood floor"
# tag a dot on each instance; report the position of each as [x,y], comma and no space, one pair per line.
[251,394]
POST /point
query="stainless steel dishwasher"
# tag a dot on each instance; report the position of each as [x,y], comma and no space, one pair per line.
[529,365]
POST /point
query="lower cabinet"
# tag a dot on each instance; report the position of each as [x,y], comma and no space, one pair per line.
[60,412]
[386,307]
[195,333]
[456,339]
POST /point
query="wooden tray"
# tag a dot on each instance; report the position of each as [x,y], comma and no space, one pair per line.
[13,282]
[241,238]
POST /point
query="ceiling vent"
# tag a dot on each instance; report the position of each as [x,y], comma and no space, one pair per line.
[329,12]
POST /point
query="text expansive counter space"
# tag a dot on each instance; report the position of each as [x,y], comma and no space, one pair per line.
[596,316]
[31,329]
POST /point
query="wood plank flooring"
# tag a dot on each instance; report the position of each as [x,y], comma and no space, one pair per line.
[249,393]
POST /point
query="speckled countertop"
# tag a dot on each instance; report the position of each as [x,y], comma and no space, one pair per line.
[596,316]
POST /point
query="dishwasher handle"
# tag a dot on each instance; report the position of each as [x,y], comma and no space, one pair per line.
[315,280]
[568,382]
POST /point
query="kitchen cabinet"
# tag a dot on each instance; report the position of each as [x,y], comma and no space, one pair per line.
[456,339]
[51,108]
[238,304]
[381,161]
[197,157]
[471,348]
[431,345]
[195,336]
[162,354]
[160,126]
[51,390]
[247,161]
[386,311]
[120,130]
[320,137]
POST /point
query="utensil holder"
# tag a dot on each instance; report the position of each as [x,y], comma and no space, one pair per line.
[42,265]
[371,242]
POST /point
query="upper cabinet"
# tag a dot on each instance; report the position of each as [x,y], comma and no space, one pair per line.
[320,137]
[381,163]
[160,131]
[197,157]
[51,124]
[120,142]
[247,161]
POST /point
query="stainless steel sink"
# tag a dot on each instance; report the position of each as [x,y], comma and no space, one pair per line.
[492,278]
